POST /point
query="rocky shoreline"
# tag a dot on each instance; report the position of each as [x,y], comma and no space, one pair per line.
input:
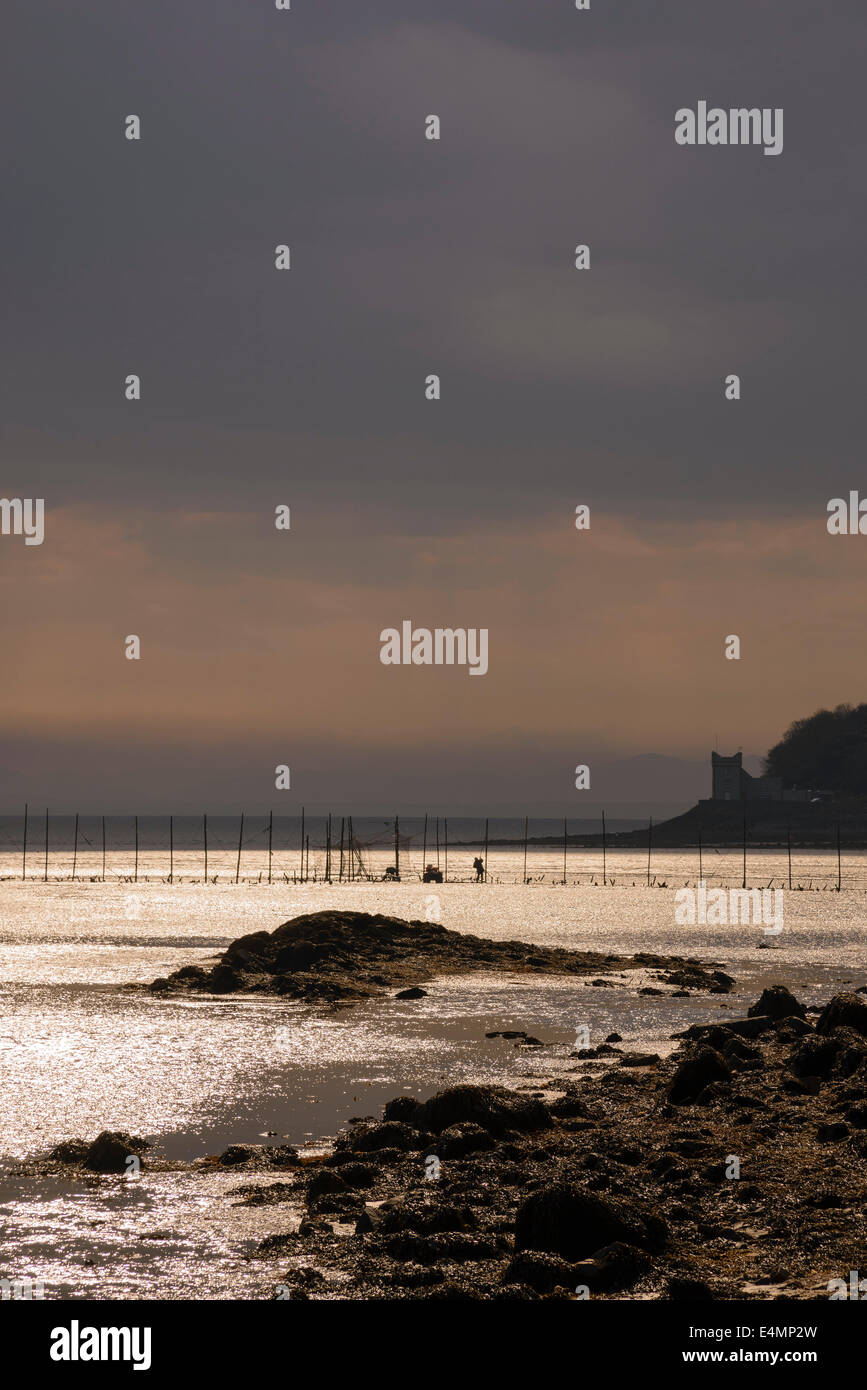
[618,1186]
[733,1169]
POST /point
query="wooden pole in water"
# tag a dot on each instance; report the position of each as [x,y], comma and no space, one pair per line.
[526,827]
[135,874]
[604,856]
[397,846]
[308,856]
[240,842]
[24,853]
[839,866]
[649,846]
[789,849]
[205,832]
[744,884]
[103,849]
[438,841]
[45,879]
[302,846]
[270,842]
[424,847]
[171,849]
[486,849]
[328,850]
[340,870]
[351,852]
[75,848]
[565,841]
[699,854]
[446,849]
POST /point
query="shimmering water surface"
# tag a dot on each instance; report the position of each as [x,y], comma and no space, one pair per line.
[80,1052]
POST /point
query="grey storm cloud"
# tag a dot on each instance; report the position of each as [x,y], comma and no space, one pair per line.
[306,388]
[306,127]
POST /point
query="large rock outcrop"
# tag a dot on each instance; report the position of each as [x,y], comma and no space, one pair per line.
[342,956]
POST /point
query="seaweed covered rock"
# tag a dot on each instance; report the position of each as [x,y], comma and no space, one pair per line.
[326,1183]
[777,1002]
[843,1011]
[841,1054]
[111,1150]
[465,1138]
[700,1069]
[540,1271]
[276,1156]
[368,1138]
[814,1057]
[569,1221]
[451,1246]
[70,1151]
[492,1108]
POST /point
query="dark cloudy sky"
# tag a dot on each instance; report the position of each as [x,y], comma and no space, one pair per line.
[307,388]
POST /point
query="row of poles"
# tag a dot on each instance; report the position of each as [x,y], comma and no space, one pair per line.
[350,862]
[346,851]
[351,865]
[305,846]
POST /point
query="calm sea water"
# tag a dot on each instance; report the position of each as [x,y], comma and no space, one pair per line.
[80,1052]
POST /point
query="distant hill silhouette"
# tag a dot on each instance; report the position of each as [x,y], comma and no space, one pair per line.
[827,752]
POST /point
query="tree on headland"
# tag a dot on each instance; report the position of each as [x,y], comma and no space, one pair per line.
[827,752]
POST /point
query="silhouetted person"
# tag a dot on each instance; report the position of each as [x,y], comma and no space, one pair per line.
[479,866]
